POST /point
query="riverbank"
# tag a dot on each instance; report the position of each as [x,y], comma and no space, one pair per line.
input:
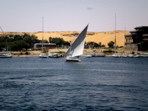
[59,50]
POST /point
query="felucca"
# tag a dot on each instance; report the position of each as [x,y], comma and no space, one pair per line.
[76,49]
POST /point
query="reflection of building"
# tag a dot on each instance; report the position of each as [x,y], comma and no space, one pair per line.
[138,39]
[38,46]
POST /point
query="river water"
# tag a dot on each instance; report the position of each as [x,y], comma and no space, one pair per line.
[96,84]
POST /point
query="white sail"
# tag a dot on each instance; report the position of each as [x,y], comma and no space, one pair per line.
[76,49]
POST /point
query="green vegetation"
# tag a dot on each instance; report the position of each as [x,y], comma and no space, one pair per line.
[94,45]
[60,52]
[59,41]
[18,42]
[111,44]
[108,51]
[26,41]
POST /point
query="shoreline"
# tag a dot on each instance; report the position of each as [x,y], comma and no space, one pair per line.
[30,55]
[86,52]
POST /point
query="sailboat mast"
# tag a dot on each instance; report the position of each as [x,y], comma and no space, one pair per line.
[42,31]
[6,39]
[124,38]
[115,35]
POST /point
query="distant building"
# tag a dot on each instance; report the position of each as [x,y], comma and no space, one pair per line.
[38,46]
[138,39]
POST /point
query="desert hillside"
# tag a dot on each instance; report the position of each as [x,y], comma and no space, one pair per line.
[103,37]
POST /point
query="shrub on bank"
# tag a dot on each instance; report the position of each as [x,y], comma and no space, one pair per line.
[108,51]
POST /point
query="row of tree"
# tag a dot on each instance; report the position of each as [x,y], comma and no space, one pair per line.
[18,42]
[25,41]
[60,42]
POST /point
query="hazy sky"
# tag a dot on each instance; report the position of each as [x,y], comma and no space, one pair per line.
[72,15]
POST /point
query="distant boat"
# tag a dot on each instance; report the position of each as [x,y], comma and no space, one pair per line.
[130,55]
[116,55]
[88,56]
[6,54]
[124,55]
[53,55]
[43,55]
[136,56]
[76,49]
[145,55]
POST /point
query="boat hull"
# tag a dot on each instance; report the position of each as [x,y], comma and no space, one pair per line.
[43,55]
[72,59]
[5,56]
[68,60]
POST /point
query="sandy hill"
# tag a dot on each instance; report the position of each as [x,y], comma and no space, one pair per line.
[103,37]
